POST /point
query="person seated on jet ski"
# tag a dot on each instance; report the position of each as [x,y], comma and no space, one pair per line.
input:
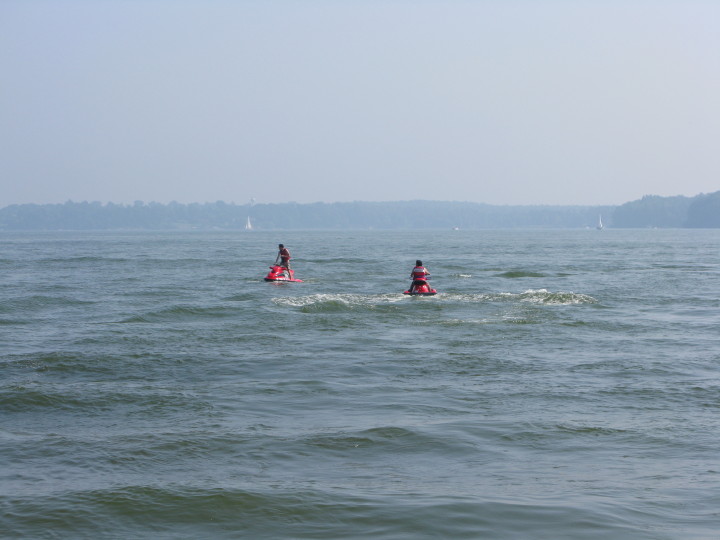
[419,275]
[284,256]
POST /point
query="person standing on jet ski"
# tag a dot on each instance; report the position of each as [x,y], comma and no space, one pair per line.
[284,256]
[419,275]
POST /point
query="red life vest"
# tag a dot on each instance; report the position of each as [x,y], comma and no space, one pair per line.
[419,272]
[285,254]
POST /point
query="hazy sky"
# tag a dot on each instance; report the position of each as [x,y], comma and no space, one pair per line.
[495,101]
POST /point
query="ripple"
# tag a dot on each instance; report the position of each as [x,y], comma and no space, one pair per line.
[183,313]
[329,303]
[514,274]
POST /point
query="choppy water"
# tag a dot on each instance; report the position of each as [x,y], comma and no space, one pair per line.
[563,384]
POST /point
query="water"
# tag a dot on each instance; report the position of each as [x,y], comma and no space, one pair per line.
[562,384]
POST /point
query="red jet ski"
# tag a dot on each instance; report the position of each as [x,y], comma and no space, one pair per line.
[420,287]
[280,273]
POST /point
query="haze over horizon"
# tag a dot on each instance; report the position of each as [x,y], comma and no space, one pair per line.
[514,102]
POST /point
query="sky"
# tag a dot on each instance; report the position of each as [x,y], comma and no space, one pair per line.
[508,102]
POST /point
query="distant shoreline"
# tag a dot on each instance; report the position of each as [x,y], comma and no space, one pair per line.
[701,211]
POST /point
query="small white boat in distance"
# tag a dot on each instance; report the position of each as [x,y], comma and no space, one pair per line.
[248,224]
[600,225]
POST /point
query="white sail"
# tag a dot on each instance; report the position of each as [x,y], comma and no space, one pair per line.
[600,223]
[248,223]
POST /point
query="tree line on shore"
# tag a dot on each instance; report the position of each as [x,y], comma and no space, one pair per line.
[701,211]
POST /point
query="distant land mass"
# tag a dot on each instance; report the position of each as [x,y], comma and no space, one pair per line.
[700,211]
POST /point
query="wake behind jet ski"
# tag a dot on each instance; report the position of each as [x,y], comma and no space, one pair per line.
[420,286]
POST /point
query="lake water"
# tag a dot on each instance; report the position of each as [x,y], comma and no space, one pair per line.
[562,384]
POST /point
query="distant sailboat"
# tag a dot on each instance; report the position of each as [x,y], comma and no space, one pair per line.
[600,225]
[248,223]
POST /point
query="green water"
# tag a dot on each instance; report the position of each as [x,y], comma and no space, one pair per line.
[562,384]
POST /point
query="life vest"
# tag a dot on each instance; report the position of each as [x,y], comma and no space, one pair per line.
[419,272]
[285,254]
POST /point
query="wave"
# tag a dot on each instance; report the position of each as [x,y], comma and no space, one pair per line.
[329,303]
[61,362]
[387,439]
[590,430]
[83,259]
[124,260]
[40,301]
[339,302]
[13,322]
[336,260]
[383,436]
[287,511]
[241,296]
[24,398]
[532,296]
[182,313]
[543,296]
[513,274]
